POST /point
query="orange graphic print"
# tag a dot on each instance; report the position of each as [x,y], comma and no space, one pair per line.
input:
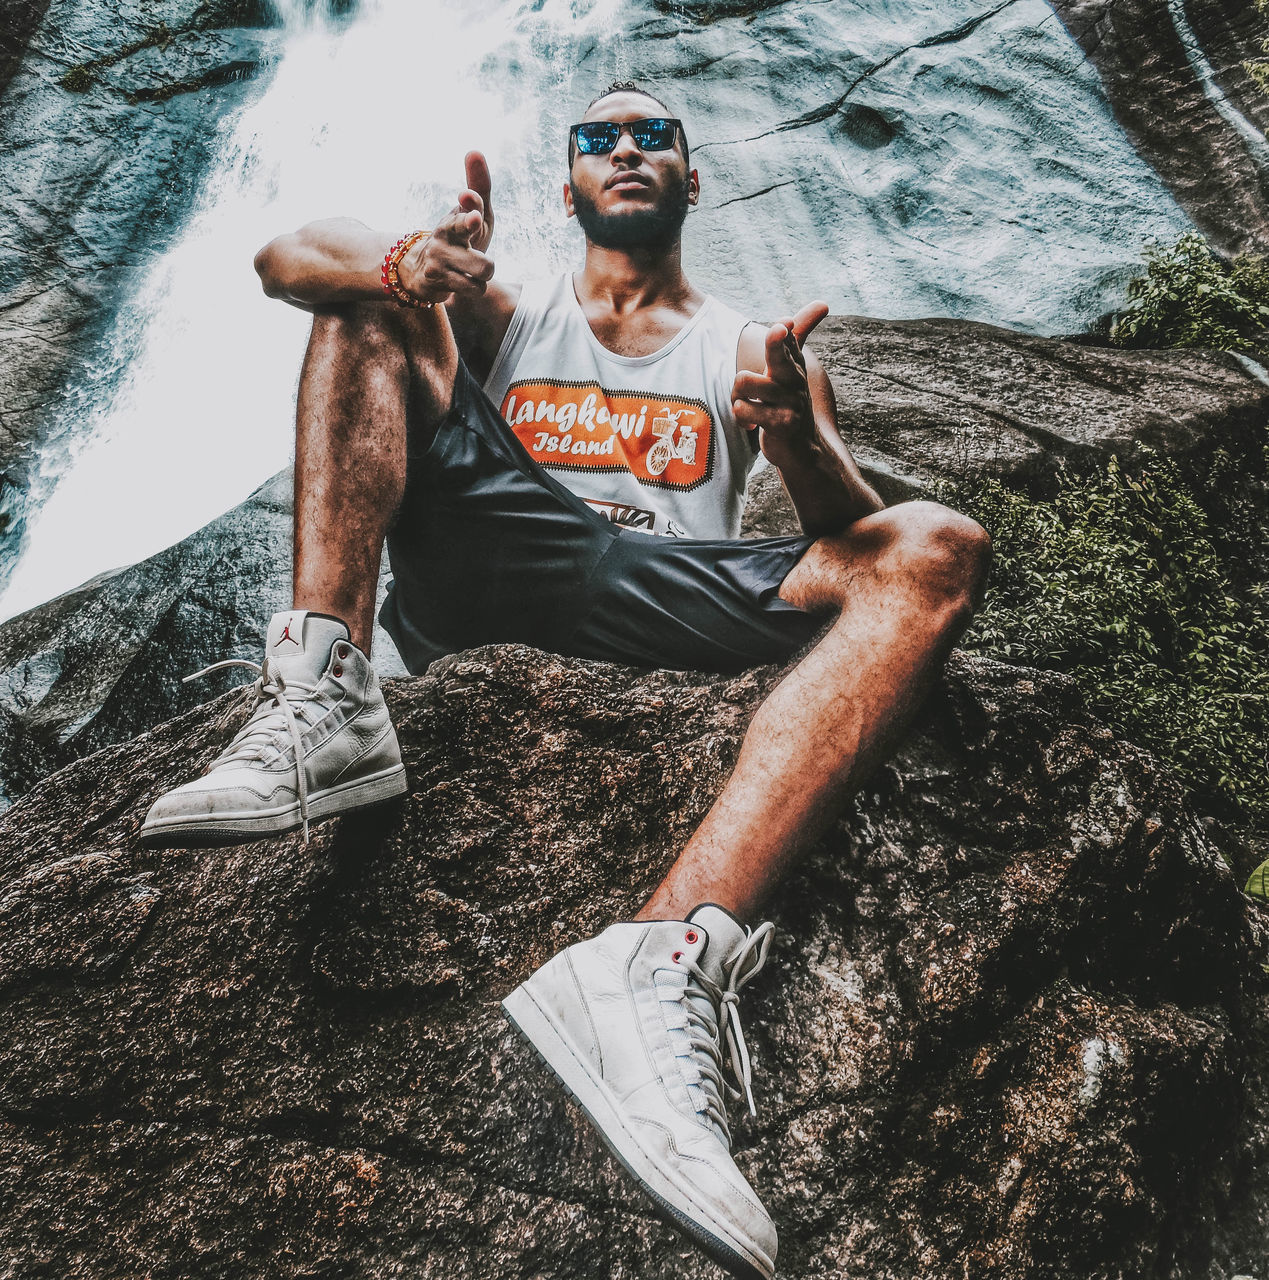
[663,441]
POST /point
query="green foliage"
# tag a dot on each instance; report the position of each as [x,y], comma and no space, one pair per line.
[1257,885]
[1120,583]
[1258,68]
[1190,297]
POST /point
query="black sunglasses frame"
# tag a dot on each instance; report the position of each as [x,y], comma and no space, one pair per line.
[621,127]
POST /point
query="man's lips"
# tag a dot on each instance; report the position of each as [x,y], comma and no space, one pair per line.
[626,182]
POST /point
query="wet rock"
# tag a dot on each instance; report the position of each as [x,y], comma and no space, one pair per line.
[1175,77]
[107,127]
[1014,1023]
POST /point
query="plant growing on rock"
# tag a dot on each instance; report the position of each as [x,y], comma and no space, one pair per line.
[1122,583]
[1258,68]
[1191,297]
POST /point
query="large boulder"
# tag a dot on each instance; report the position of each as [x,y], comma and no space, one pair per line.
[1015,1024]
[952,400]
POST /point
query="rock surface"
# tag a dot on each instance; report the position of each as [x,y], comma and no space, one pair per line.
[945,399]
[1014,1024]
[106,129]
[920,401]
[1154,57]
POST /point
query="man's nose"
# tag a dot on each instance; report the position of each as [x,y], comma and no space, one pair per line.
[626,147]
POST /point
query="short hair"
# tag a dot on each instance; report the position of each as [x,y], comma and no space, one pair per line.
[629,86]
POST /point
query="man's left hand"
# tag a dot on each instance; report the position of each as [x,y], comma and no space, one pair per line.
[778,401]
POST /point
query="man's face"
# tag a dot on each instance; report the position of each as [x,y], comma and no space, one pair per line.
[630,199]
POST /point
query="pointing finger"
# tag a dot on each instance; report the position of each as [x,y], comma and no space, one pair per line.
[806,320]
[478,175]
[782,354]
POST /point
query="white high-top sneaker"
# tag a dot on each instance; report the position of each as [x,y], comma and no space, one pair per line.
[317,704]
[629,1022]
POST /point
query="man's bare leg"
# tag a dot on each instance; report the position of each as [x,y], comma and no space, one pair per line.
[363,362]
[906,581]
[364,368]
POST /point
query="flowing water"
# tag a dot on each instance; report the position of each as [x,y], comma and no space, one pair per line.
[969,167]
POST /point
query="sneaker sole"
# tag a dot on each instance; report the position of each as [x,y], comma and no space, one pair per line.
[208,830]
[557,1052]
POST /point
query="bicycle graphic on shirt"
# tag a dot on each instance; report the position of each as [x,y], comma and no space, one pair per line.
[665,450]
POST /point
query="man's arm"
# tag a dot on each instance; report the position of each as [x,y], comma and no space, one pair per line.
[792,406]
[338,260]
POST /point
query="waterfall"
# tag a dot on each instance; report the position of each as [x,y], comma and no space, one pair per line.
[192,405]
[895,157]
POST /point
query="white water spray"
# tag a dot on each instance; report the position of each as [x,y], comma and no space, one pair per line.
[193,405]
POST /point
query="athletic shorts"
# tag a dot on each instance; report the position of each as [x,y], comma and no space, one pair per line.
[488,548]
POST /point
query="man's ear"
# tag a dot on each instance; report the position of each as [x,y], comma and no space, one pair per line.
[568,201]
[693,187]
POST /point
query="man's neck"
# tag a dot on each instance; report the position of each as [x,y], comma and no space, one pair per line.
[626,281]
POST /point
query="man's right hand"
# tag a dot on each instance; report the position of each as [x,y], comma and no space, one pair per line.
[451,262]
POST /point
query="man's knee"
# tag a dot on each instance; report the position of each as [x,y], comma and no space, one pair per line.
[370,336]
[948,552]
[923,546]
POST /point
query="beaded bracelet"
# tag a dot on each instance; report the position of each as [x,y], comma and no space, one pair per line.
[392,285]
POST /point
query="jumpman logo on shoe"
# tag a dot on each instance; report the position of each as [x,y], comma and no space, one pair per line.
[318,742]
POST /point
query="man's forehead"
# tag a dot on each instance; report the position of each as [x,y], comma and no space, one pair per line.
[624,106]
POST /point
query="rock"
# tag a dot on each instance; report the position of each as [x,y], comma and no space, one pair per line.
[1175,77]
[108,126]
[106,661]
[959,401]
[1015,1022]
[18,22]
[921,157]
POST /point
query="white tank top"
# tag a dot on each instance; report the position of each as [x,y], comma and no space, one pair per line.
[649,441]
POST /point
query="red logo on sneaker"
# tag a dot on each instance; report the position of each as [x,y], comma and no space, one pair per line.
[286,635]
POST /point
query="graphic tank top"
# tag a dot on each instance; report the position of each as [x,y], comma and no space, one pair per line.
[649,441]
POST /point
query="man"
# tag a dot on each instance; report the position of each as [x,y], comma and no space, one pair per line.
[625,405]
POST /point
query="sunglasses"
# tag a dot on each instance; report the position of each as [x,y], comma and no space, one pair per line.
[598,137]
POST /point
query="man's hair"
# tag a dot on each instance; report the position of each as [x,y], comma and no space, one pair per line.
[629,86]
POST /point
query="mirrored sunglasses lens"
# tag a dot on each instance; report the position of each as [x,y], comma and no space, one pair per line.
[654,135]
[595,139]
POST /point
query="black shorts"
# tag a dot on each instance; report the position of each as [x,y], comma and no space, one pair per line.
[489,548]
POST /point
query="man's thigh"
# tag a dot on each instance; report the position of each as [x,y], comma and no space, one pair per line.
[699,605]
[485,547]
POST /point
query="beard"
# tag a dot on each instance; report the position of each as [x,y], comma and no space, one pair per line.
[638,226]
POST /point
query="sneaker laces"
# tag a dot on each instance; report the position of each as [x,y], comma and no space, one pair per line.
[710,1024]
[268,693]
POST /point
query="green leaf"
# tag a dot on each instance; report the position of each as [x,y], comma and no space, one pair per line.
[1257,885]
